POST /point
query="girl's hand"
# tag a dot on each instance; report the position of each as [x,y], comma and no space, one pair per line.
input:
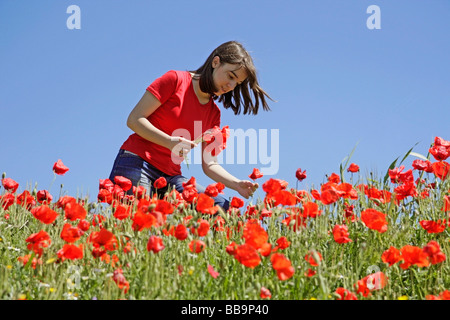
[181,146]
[246,188]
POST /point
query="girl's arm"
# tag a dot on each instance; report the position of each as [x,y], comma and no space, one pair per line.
[217,173]
[138,122]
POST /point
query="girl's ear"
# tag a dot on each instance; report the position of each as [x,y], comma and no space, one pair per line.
[216,62]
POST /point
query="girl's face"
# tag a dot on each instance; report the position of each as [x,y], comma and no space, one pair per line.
[226,76]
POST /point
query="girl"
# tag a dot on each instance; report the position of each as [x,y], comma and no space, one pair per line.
[179,105]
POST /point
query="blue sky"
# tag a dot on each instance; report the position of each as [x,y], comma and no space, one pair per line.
[66,94]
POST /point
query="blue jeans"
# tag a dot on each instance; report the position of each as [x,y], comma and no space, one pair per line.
[142,173]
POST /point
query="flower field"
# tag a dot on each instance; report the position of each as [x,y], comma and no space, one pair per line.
[352,238]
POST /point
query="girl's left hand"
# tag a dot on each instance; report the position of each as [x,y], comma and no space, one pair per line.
[246,188]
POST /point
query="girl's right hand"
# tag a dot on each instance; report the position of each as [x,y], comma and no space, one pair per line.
[181,146]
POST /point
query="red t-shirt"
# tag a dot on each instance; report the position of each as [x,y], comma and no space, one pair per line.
[180,110]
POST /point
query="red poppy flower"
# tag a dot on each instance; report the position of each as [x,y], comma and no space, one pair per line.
[26,200]
[353,168]
[143,220]
[340,234]
[329,196]
[181,232]
[406,189]
[256,174]
[120,280]
[254,234]
[334,178]
[38,241]
[374,220]
[285,198]
[433,250]
[374,281]
[434,227]
[197,246]
[7,200]
[345,294]
[446,206]
[247,255]
[231,248]
[283,243]
[212,272]
[44,214]
[43,196]
[84,225]
[71,252]
[60,168]
[391,256]
[236,202]
[346,191]
[10,185]
[441,169]
[422,165]
[160,183]
[398,176]
[310,273]
[313,258]
[74,211]
[440,153]
[266,249]
[216,139]
[70,233]
[413,255]
[311,210]
[140,191]
[282,265]
[122,212]
[265,293]
[123,182]
[189,193]
[155,244]
[205,204]
[202,228]
[272,186]
[103,238]
[34,262]
[106,184]
[104,195]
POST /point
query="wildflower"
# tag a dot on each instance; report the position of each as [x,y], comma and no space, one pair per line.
[197,246]
[202,229]
[142,220]
[434,227]
[311,210]
[353,168]
[10,185]
[59,167]
[265,293]
[74,211]
[120,280]
[44,214]
[313,258]
[43,196]
[374,281]
[160,183]
[231,248]
[71,234]
[181,232]
[282,265]
[254,234]
[205,204]
[105,195]
[422,165]
[310,273]
[340,234]
[345,294]
[214,189]
[374,220]
[413,255]
[433,250]
[124,183]
[155,244]
[70,251]
[103,238]
[34,262]
[391,256]
[236,203]
[216,139]
[122,212]
[7,200]
[282,243]
[441,169]
[38,241]
[212,272]
[247,255]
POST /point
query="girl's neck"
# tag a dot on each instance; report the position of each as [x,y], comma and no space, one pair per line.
[203,97]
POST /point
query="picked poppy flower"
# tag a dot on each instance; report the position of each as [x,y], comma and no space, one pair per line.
[340,234]
[353,168]
[265,293]
[59,167]
[44,214]
[71,252]
[391,256]
[123,182]
[160,183]
[282,265]
[10,185]
[247,255]
[155,244]
[70,233]
[300,175]
[236,203]
[38,241]
[313,258]
[74,211]
[345,294]
[216,139]
[433,250]
[374,220]
[197,246]
[120,280]
[433,226]
[212,272]
[413,255]
[181,232]
[256,174]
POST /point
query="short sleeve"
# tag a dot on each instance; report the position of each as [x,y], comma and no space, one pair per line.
[163,87]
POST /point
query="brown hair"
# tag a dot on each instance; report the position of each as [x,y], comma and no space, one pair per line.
[233,52]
